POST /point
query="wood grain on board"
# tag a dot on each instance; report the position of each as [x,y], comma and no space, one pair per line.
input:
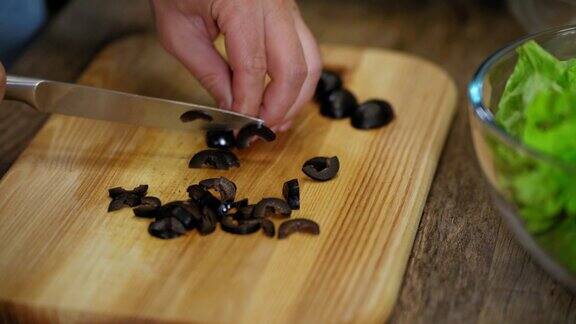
[65,257]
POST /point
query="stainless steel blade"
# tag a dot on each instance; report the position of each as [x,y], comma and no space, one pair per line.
[96,103]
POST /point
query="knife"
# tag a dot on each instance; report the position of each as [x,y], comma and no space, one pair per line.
[95,103]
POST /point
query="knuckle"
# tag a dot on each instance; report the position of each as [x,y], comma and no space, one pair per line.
[255,66]
[315,70]
[209,80]
[297,74]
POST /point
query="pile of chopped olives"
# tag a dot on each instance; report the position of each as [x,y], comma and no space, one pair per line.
[213,201]
[203,211]
[337,102]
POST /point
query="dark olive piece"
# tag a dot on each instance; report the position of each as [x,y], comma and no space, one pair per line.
[239,204]
[372,114]
[271,206]
[192,115]
[185,216]
[245,212]
[329,81]
[231,225]
[301,225]
[321,168]
[220,139]
[217,159]
[116,204]
[227,207]
[141,190]
[339,104]
[247,132]
[291,193]
[166,228]
[116,192]
[208,221]
[149,208]
[167,210]
[132,200]
[268,227]
[193,209]
[204,198]
[122,197]
[225,187]
[196,192]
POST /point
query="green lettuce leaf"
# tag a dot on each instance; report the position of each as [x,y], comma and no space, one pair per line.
[538,107]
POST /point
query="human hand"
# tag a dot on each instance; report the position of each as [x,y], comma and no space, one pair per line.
[262,37]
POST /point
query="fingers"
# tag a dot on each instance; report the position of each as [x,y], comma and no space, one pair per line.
[187,38]
[314,67]
[286,63]
[243,28]
[2,81]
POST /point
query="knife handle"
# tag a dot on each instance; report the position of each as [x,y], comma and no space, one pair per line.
[22,89]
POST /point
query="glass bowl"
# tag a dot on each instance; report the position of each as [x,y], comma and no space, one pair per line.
[540,224]
[537,15]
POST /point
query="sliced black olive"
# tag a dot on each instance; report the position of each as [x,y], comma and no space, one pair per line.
[167,209]
[247,132]
[166,228]
[149,208]
[220,139]
[271,206]
[116,204]
[141,190]
[239,204]
[185,216]
[339,104]
[132,200]
[217,159]
[301,225]
[122,197]
[268,227]
[116,192]
[329,81]
[372,114]
[228,207]
[192,115]
[231,225]
[225,187]
[201,196]
[245,212]
[291,193]
[196,192]
[321,168]
[208,221]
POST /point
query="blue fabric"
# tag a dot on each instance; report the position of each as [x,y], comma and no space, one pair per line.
[19,22]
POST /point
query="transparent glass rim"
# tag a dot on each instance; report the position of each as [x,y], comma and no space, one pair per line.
[482,113]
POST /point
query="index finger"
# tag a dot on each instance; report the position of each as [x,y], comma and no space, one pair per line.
[243,29]
[287,64]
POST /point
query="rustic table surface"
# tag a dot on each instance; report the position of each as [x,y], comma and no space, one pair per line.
[465,264]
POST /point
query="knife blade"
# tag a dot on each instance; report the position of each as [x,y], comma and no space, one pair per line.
[95,103]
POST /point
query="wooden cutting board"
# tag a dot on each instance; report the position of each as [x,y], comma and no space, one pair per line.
[64,258]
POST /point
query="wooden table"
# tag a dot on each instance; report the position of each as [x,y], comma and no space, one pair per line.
[465,264]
